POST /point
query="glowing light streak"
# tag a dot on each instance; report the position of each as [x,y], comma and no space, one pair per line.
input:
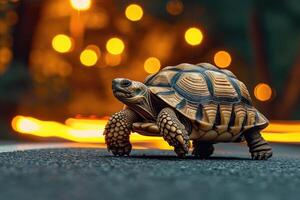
[91,131]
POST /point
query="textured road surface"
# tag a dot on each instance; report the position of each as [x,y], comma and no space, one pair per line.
[80,173]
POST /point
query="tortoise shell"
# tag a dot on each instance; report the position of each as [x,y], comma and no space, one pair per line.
[212,98]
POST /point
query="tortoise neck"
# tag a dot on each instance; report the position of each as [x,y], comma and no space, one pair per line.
[145,107]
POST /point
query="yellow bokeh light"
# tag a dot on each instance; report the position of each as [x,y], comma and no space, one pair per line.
[62,43]
[152,65]
[262,92]
[88,57]
[193,36]
[222,59]
[81,4]
[134,12]
[115,46]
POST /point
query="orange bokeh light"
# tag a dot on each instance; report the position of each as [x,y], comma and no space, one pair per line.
[112,60]
[174,7]
[152,65]
[262,92]
[222,59]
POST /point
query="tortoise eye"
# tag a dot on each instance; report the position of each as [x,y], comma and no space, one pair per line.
[125,83]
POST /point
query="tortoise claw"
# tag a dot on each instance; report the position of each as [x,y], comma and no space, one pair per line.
[120,150]
[181,152]
[261,155]
[258,147]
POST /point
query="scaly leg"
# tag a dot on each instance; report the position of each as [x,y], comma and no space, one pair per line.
[202,149]
[258,147]
[173,131]
[117,131]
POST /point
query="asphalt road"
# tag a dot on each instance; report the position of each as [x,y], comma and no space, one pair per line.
[81,173]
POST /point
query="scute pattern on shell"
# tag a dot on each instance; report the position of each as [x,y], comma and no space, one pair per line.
[214,99]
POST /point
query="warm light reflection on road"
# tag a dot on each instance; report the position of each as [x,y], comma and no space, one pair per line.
[78,130]
[90,131]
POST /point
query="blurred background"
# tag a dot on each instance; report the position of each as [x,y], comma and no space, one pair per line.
[58,57]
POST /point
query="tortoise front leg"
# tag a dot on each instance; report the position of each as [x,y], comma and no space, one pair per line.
[258,147]
[173,131]
[117,131]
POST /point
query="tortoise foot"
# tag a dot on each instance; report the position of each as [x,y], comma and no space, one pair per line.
[125,149]
[173,131]
[117,131]
[181,152]
[258,147]
[202,150]
[263,154]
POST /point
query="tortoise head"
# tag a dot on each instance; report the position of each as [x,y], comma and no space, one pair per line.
[135,95]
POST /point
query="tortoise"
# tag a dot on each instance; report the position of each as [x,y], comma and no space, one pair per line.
[199,103]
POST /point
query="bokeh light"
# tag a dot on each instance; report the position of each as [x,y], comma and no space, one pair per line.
[152,65]
[81,4]
[115,46]
[222,59]
[112,60]
[97,19]
[95,48]
[174,7]
[62,43]
[134,12]
[5,55]
[193,36]
[262,92]
[88,57]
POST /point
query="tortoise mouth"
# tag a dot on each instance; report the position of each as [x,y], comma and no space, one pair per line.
[121,93]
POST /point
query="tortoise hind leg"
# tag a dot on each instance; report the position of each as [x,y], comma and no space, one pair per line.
[258,147]
[173,131]
[202,149]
